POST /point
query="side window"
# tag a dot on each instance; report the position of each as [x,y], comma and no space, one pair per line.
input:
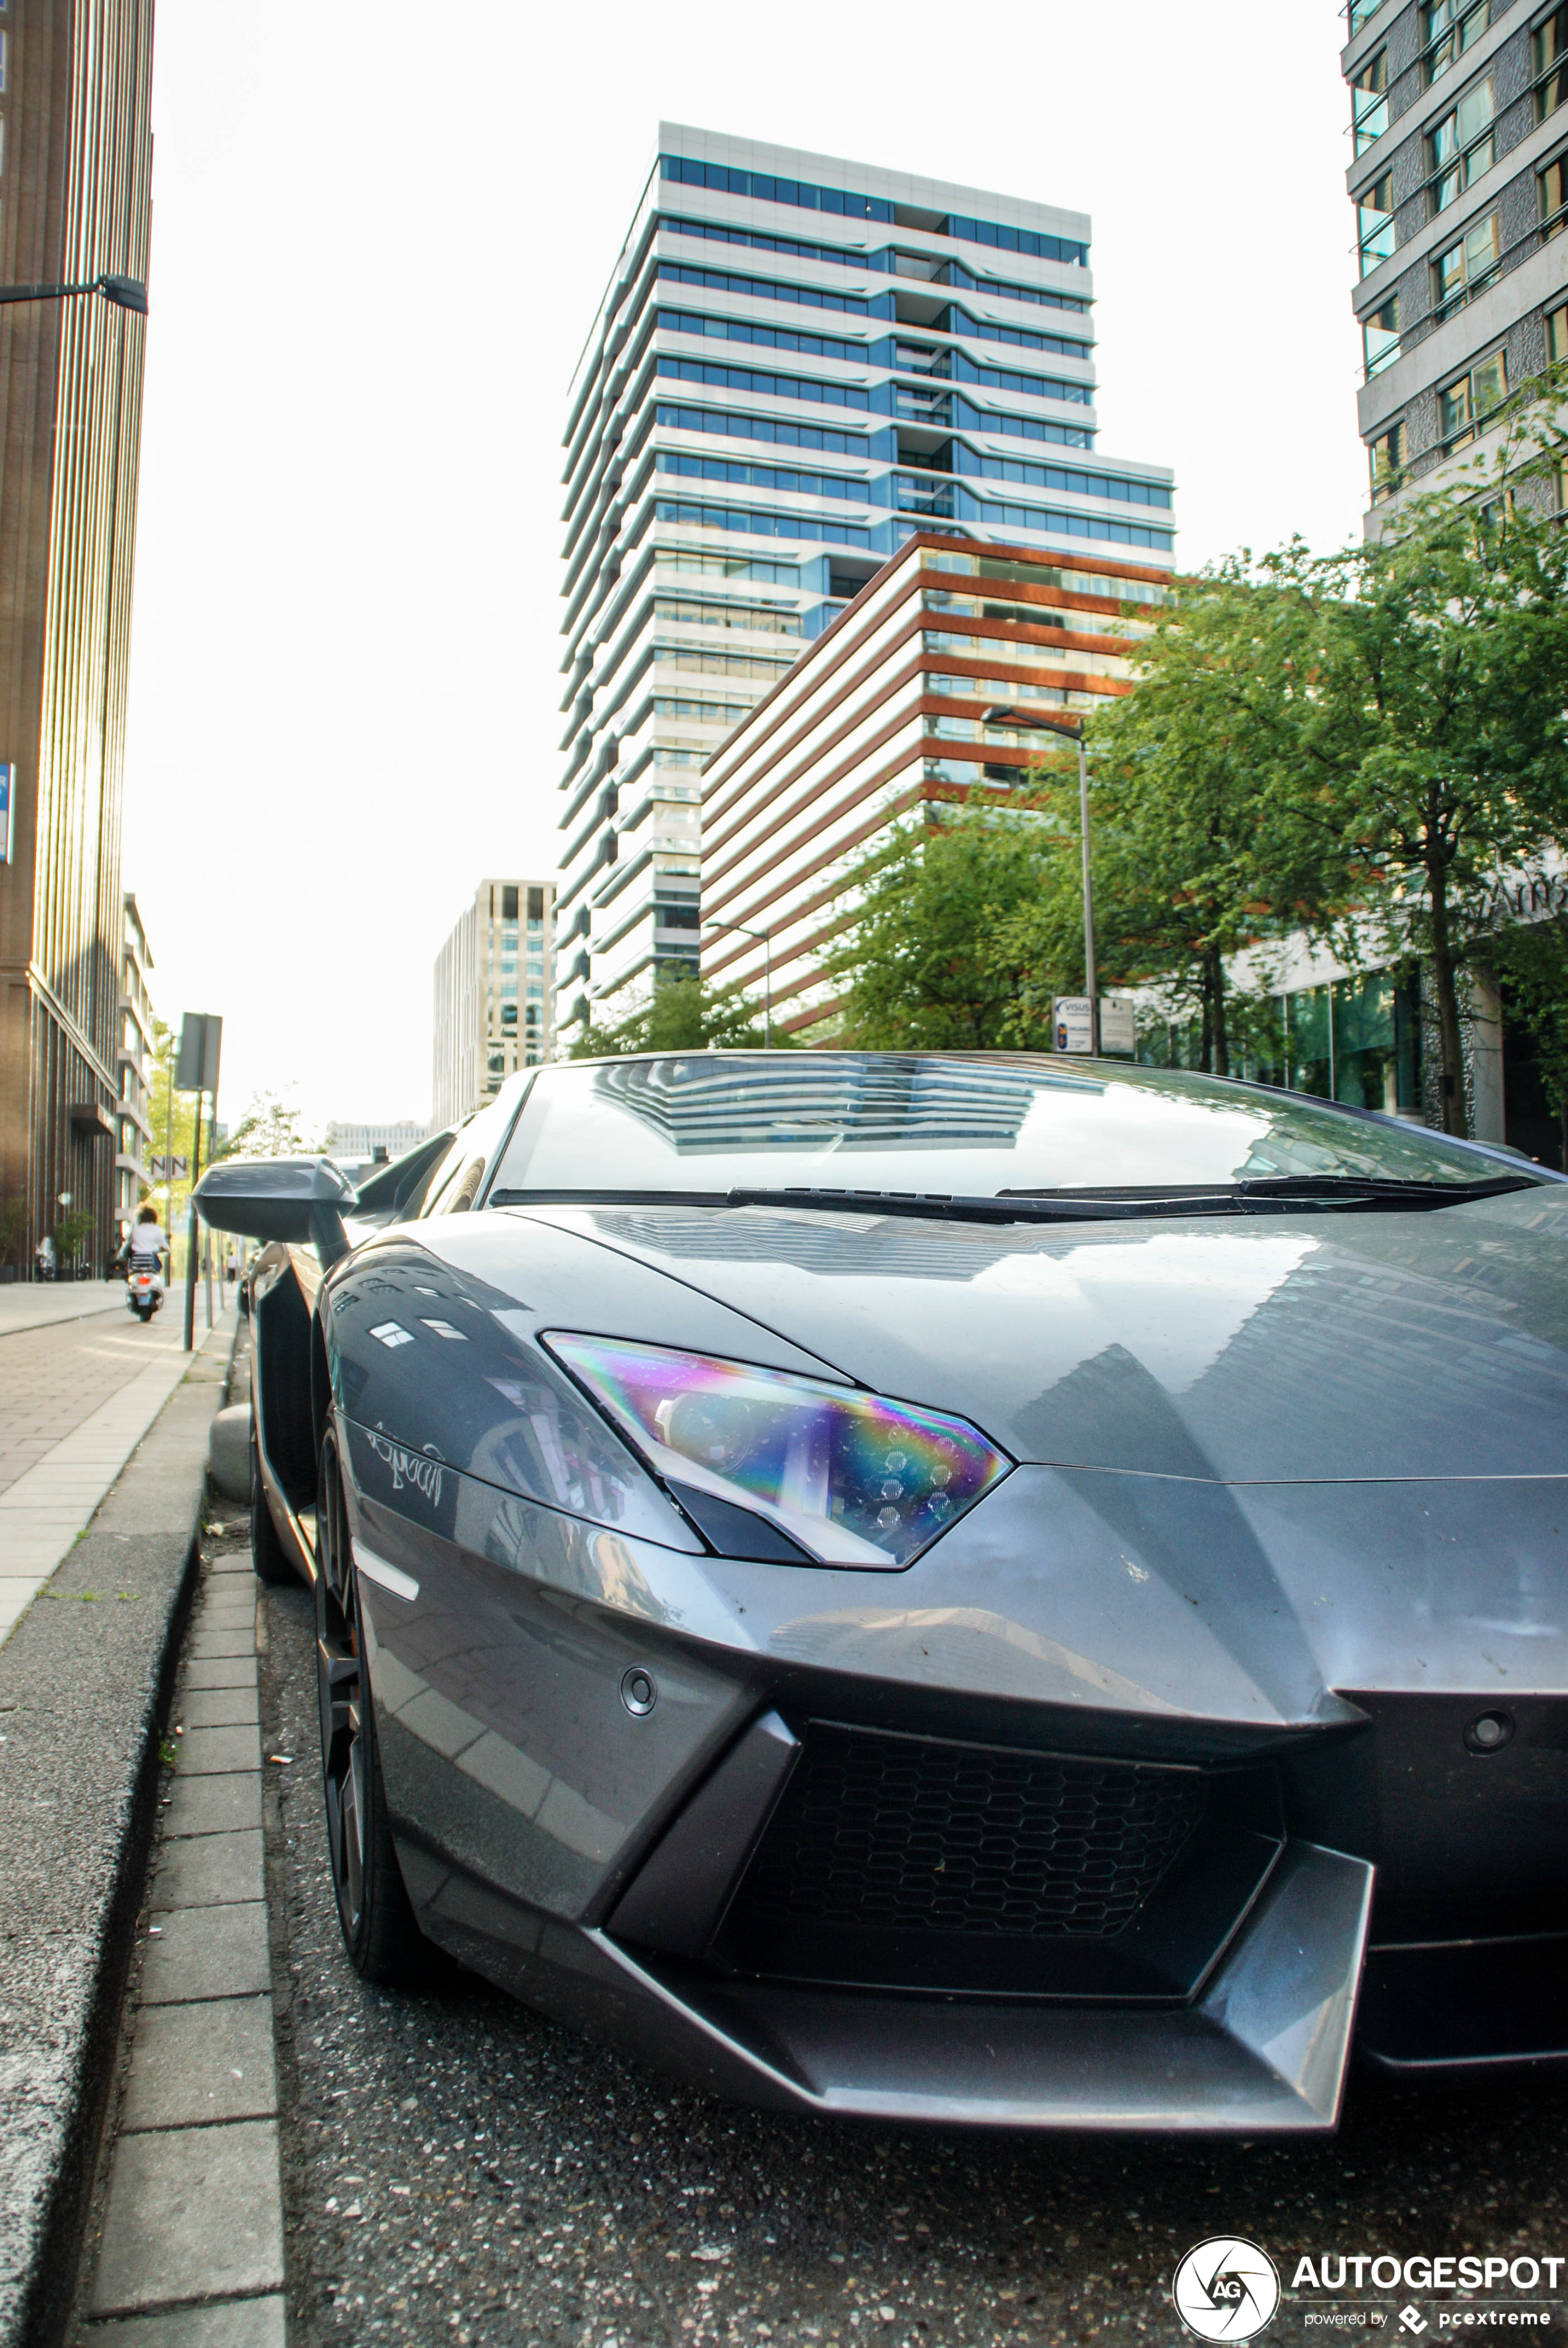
[462,1171]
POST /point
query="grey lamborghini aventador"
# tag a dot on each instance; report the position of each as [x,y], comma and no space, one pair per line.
[988,1589]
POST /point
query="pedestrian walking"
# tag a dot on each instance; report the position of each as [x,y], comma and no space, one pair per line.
[45,1254]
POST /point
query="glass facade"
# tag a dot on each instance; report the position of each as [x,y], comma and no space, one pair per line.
[843,340]
[1355,1040]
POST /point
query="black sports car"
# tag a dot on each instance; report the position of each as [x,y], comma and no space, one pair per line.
[990,1589]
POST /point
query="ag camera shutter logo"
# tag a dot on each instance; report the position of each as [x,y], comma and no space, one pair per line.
[1225,2289]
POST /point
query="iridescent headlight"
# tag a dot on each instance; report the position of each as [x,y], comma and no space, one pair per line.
[853,1478]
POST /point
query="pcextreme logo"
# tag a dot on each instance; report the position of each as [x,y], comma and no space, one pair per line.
[1225,2289]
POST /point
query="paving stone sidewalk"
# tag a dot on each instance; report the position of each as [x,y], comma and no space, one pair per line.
[76,1399]
[85,1679]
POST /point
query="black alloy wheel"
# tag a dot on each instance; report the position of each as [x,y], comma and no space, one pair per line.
[383,1941]
[268,1556]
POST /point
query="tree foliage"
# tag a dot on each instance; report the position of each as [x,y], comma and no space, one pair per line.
[948,951]
[272,1127]
[682,1014]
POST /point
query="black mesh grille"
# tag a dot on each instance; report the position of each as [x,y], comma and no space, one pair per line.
[899,1834]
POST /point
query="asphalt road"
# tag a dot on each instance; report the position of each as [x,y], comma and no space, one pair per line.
[455,2169]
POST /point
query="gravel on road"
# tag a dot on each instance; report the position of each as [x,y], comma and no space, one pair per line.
[458,2169]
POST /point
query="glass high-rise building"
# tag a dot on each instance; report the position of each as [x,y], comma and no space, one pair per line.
[798,363]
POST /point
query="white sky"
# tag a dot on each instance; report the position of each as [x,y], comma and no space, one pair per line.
[377,248]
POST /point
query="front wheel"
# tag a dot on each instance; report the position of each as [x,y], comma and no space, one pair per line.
[383,1941]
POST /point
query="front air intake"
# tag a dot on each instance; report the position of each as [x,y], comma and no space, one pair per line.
[903,1834]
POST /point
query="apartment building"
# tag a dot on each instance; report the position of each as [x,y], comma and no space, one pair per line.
[132,1175]
[494,996]
[353,1142]
[923,688]
[1460,133]
[799,364]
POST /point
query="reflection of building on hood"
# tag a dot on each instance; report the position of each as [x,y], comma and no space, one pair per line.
[890,1101]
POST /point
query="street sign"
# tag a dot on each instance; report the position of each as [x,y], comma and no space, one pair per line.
[1118,1033]
[160,1169]
[201,1043]
[1074,1027]
[7,798]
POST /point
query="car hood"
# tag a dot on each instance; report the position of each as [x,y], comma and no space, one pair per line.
[1279,1349]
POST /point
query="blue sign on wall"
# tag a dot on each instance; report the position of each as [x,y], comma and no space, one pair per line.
[7,793]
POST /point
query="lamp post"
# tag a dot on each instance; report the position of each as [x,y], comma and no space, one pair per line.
[1073,728]
[767,938]
[125,293]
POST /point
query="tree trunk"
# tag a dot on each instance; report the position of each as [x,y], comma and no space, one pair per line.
[1453,1074]
[1206,1038]
[1217,995]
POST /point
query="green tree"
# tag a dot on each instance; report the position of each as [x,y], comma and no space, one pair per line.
[1423,740]
[950,950]
[72,1234]
[272,1127]
[681,1015]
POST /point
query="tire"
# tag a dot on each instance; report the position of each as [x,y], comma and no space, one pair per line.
[267,1553]
[144,1314]
[383,1941]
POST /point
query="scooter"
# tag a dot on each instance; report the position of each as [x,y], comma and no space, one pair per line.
[144,1286]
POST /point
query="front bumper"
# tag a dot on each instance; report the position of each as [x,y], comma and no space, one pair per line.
[588,1859]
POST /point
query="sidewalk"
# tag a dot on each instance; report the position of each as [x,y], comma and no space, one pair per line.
[40,1303]
[76,1397]
[85,1682]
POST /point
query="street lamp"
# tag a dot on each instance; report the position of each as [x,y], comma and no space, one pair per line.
[767,938]
[125,293]
[1073,728]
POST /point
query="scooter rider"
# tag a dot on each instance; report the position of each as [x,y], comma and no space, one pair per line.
[145,1241]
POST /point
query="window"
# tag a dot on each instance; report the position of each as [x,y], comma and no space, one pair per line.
[1550,45]
[1362,13]
[1461,147]
[1369,101]
[1452,26]
[1374,223]
[1380,336]
[1467,267]
[1553,186]
[1557,336]
[509,906]
[1388,455]
[1465,406]
[761,187]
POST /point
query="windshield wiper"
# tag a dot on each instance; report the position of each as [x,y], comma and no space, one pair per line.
[1258,1194]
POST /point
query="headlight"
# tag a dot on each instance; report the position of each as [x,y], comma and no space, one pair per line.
[853,1478]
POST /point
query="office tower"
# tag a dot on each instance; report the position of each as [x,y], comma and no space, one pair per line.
[73,204]
[494,996]
[1460,140]
[931,684]
[132,1175]
[798,363]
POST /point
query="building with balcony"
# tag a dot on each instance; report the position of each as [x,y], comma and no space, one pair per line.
[494,1007]
[132,1175]
[1460,132]
[76,156]
[799,365]
[921,689]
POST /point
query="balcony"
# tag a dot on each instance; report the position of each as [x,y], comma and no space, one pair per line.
[933,499]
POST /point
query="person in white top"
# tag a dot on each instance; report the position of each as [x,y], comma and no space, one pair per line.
[146,1236]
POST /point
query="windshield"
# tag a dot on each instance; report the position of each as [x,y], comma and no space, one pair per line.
[896,1121]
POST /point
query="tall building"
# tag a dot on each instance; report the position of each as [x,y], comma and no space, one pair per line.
[73,203]
[798,363]
[1460,138]
[494,996]
[132,1175]
[925,687]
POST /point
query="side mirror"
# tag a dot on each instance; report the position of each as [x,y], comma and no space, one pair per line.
[303,1199]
